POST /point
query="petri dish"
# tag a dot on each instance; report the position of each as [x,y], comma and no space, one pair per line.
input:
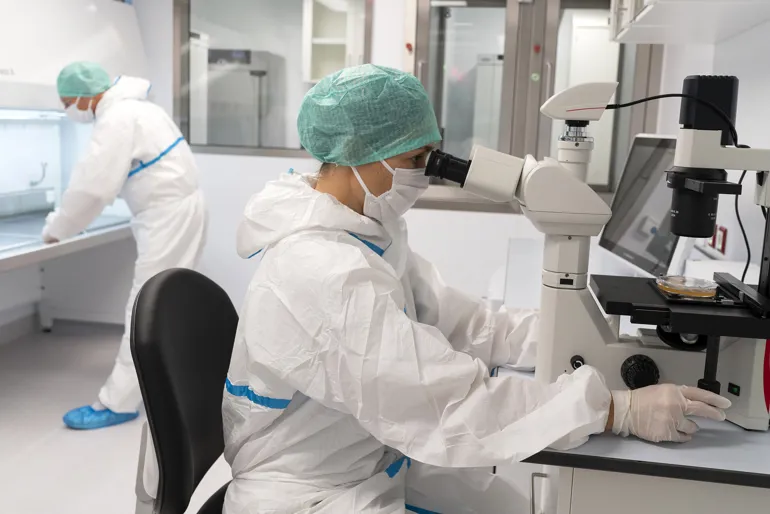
[687,286]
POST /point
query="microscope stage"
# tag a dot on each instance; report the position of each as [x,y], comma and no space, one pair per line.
[637,297]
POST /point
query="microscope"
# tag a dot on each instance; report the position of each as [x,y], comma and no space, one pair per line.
[719,344]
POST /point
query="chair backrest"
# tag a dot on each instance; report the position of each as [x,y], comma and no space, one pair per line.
[182,336]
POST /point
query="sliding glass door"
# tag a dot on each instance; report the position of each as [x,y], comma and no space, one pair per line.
[489,65]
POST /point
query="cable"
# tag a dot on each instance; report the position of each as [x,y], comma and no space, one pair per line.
[743,231]
[740,224]
[717,110]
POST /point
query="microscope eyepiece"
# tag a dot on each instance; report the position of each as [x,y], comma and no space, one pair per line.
[448,167]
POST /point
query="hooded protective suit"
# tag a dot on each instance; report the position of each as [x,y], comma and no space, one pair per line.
[136,152]
[343,371]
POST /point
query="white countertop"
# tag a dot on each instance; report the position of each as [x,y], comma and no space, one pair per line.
[26,226]
[719,452]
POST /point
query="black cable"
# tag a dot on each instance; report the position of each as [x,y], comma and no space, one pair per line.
[740,224]
[743,231]
[708,104]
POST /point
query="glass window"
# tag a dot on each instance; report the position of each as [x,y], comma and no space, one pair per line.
[488,66]
[252,61]
[465,73]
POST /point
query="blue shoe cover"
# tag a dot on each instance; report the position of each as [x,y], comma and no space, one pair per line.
[86,418]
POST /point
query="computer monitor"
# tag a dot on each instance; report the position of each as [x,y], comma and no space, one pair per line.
[640,228]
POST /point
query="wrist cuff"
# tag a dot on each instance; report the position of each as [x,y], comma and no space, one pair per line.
[622,407]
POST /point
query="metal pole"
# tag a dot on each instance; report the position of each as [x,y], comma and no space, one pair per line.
[181,50]
[368,22]
[709,381]
[764,272]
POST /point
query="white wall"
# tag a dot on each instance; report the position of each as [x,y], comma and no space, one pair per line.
[470,249]
[388,33]
[228,182]
[679,61]
[740,57]
[155,24]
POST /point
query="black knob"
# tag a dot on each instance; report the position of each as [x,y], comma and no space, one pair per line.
[577,361]
[639,371]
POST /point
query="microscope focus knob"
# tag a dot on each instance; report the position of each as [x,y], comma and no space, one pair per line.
[639,371]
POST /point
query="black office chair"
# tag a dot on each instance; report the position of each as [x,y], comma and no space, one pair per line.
[182,337]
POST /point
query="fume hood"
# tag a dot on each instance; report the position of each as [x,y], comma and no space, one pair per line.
[40,37]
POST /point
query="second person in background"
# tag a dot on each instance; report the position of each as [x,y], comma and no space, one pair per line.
[137,152]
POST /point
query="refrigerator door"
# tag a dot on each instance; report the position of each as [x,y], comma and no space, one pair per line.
[234,114]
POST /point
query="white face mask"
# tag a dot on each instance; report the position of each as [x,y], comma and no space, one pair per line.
[79,116]
[408,185]
[389,207]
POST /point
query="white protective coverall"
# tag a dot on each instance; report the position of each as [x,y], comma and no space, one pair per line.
[343,372]
[138,153]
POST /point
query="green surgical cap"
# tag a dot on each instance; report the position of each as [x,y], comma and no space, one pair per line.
[366,114]
[85,79]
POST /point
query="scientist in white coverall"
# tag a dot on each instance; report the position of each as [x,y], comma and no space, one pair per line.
[355,366]
[138,153]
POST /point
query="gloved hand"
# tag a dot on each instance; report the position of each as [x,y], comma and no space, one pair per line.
[659,413]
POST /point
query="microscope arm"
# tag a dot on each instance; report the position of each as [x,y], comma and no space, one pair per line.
[552,198]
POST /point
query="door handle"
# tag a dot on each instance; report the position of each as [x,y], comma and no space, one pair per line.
[420,70]
[532,507]
[548,79]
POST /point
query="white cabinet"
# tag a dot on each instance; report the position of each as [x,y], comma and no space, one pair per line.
[685,21]
[333,36]
[585,491]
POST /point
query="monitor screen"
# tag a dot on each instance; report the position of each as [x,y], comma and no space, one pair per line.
[640,229]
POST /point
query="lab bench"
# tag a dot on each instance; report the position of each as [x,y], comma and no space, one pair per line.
[84,278]
[21,244]
[724,468]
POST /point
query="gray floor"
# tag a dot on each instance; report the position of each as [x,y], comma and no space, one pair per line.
[46,468]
